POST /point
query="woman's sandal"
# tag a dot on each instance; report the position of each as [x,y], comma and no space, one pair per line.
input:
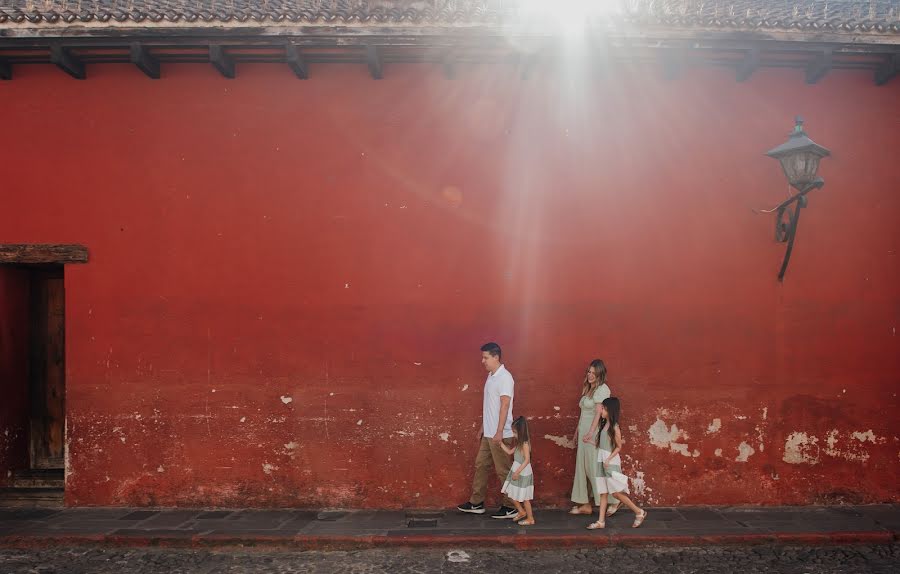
[526,522]
[596,525]
[577,510]
[639,519]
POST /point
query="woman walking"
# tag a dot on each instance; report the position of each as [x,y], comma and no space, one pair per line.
[593,392]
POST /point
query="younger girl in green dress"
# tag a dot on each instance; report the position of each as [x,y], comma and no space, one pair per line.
[610,479]
[519,485]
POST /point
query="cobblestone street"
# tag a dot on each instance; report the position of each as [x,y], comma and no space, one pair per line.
[747,560]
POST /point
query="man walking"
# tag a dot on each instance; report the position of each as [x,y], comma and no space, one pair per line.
[496,427]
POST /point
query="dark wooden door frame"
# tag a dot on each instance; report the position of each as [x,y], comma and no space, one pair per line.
[46,344]
[38,253]
[46,376]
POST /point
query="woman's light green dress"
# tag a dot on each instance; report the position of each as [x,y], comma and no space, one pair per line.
[586,457]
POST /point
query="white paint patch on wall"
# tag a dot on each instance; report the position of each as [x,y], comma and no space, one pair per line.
[718,452]
[852,452]
[867,436]
[465,388]
[639,486]
[445,436]
[269,468]
[663,436]
[714,426]
[745,451]
[562,441]
[286,400]
[800,448]
[69,472]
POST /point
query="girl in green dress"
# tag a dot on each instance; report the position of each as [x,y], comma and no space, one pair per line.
[610,479]
[519,485]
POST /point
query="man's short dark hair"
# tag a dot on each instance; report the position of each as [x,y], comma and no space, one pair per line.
[492,348]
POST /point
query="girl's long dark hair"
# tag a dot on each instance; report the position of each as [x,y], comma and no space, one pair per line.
[520,425]
[613,410]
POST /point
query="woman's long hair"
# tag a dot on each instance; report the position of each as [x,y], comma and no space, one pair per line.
[613,411]
[588,389]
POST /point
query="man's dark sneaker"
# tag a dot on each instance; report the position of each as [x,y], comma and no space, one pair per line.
[471,508]
[505,512]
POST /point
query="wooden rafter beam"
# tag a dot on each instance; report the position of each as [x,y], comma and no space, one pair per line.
[141,57]
[750,64]
[887,70]
[374,60]
[296,61]
[819,66]
[68,63]
[222,61]
[43,253]
[5,70]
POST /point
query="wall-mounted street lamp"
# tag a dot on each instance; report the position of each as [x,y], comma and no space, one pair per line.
[799,157]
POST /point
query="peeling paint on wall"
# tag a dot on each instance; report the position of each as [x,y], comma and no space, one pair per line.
[867,436]
[799,448]
[638,484]
[850,452]
[745,451]
[714,426]
[562,441]
[662,436]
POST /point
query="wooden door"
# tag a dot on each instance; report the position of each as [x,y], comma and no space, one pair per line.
[47,368]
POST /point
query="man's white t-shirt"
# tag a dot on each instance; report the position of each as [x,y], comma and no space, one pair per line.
[500,383]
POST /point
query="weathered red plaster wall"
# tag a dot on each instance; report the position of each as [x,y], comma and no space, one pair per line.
[13,372]
[289,280]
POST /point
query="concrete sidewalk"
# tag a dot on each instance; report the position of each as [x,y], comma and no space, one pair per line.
[338,529]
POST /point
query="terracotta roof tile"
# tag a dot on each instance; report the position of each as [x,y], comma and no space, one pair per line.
[875,16]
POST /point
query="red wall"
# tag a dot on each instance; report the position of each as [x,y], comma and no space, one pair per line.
[14,285]
[290,280]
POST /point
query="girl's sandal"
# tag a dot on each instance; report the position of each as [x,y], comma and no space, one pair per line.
[577,510]
[612,509]
[596,525]
[526,522]
[519,517]
[639,519]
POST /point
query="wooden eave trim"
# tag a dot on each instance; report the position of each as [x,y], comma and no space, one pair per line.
[43,253]
[745,54]
[397,34]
